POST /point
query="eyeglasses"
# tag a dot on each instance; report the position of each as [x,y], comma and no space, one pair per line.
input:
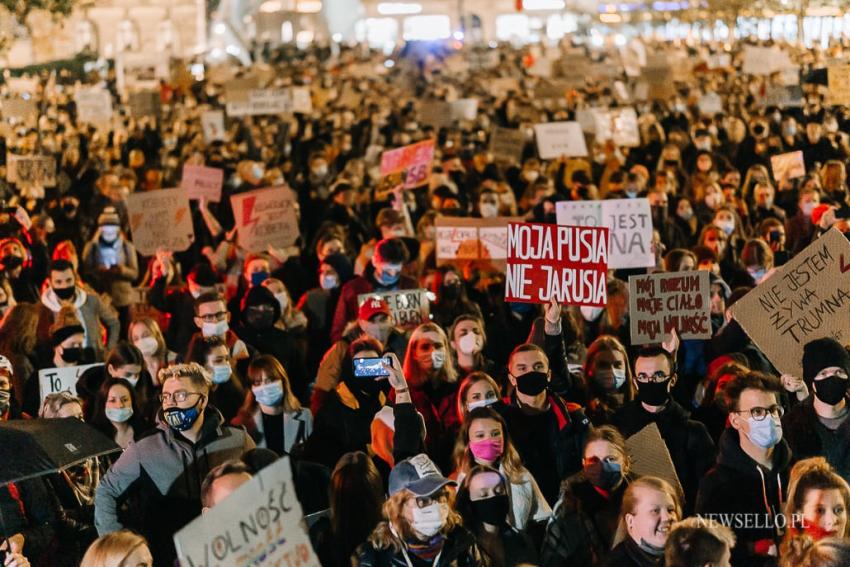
[425,501]
[657,377]
[177,397]
[759,414]
[213,317]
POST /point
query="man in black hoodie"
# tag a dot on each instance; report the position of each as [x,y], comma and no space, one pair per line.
[746,488]
[688,441]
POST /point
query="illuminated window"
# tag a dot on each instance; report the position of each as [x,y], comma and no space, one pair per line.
[377,32]
[287,34]
[85,36]
[166,36]
[557,25]
[128,36]
[427,27]
[512,26]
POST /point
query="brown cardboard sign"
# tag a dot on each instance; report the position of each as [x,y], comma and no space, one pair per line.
[659,303]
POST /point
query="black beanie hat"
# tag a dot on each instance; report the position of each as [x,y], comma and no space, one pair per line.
[260,295]
[824,353]
[341,264]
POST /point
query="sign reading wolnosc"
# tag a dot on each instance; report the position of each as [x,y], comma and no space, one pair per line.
[568,263]
[260,523]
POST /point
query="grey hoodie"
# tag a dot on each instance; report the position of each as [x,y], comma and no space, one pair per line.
[163,473]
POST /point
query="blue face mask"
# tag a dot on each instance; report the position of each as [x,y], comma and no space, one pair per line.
[619,377]
[118,415]
[269,394]
[386,279]
[259,277]
[522,308]
[182,419]
[221,373]
[765,433]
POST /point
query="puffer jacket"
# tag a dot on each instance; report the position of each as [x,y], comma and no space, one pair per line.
[164,472]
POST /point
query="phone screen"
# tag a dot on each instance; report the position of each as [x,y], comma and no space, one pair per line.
[370,367]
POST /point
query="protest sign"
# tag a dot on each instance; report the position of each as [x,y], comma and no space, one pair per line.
[39,171]
[480,241]
[436,113]
[719,61]
[500,86]
[302,102]
[658,76]
[414,159]
[659,303]
[94,106]
[213,124]
[788,165]
[160,219]
[619,125]
[710,104]
[804,300]
[507,143]
[784,96]
[649,456]
[260,523]
[410,307]
[21,110]
[201,182]
[464,109]
[265,217]
[261,101]
[838,84]
[27,85]
[567,263]
[630,221]
[55,380]
[759,60]
[542,67]
[556,139]
[144,103]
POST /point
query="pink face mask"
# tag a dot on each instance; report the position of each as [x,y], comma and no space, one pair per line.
[486,449]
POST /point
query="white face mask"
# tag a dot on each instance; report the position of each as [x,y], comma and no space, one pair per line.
[807,208]
[428,521]
[328,282]
[147,345]
[488,210]
[726,226]
[480,403]
[214,329]
[438,359]
[470,343]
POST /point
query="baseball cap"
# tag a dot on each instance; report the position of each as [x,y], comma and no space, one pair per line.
[419,475]
[372,307]
[6,365]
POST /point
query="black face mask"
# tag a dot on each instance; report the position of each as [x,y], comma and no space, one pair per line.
[653,393]
[260,321]
[493,510]
[69,208]
[64,293]
[532,383]
[72,354]
[451,291]
[830,390]
[10,261]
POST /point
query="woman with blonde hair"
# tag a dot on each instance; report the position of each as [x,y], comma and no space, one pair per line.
[145,334]
[430,372]
[609,379]
[806,552]
[818,502]
[118,549]
[484,440]
[477,390]
[420,523]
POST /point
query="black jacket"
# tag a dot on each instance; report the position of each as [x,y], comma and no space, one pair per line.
[459,550]
[808,437]
[688,441]
[179,305]
[628,554]
[739,486]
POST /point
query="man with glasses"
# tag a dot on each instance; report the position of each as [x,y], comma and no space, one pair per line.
[163,472]
[746,488]
[688,441]
[213,320]
[819,426]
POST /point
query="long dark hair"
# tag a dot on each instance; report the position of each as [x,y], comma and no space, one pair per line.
[99,420]
[145,392]
[357,495]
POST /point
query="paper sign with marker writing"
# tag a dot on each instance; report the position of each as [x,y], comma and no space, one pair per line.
[436,113]
[507,143]
[213,124]
[464,109]
[201,182]
[788,166]
[160,219]
[838,79]
[261,101]
[415,159]
[19,109]
[265,217]
[803,300]
[556,139]
[472,239]
[28,171]
[410,307]
[568,263]
[94,106]
[630,221]
[144,103]
[260,523]
[659,303]
[55,380]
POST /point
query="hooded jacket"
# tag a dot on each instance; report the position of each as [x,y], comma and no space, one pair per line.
[91,312]
[808,437]
[165,472]
[748,496]
[118,281]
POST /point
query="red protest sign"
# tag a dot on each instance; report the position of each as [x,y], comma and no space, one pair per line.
[415,159]
[569,263]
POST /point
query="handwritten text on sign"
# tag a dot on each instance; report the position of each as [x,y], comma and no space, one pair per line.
[659,303]
[265,217]
[410,307]
[804,300]
[568,263]
[160,219]
[556,139]
[472,239]
[54,380]
[415,159]
[629,220]
[201,182]
[260,523]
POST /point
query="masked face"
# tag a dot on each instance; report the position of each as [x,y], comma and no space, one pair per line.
[429,352]
[182,403]
[755,420]
[378,327]
[386,274]
[830,385]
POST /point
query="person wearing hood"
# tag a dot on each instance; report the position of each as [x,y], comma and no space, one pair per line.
[110,265]
[452,299]
[382,274]
[165,470]
[16,263]
[688,441]
[319,305]
[259,311]
[819,426]
[92,312]
[750,477]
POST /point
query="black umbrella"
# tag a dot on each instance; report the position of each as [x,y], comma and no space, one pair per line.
[35,447]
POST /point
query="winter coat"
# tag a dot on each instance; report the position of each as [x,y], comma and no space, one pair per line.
[117,281]
[166,471]
[629,554]
[808,437]
[179,305]
[386,550]
[92,313]
[688,441]
[753,495]
[297,427]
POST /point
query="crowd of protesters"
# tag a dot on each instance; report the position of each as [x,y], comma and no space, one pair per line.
[496,432]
